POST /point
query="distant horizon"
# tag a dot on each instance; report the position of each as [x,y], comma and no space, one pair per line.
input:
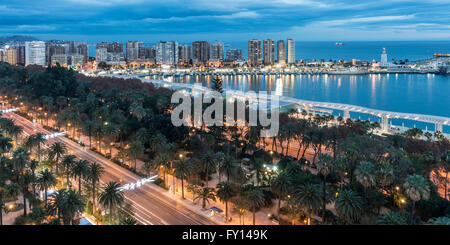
[124,40]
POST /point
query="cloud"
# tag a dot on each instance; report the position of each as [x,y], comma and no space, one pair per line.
[231,19]
[340,22]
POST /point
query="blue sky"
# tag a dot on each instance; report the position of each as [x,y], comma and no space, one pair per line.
[228,20]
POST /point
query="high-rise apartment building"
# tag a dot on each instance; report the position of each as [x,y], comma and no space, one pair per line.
[147,53]
[281,52]
[217,51]
[290,51]
[82,49]
[61,59]
[101,54]
[167,52]
[184,53]
[254,52]
[111,52]
[20,54]
[234,54]
[269,52]
[35,53]
[11,55]
[200,51]
[132,48]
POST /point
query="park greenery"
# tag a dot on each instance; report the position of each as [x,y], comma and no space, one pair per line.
[327,170]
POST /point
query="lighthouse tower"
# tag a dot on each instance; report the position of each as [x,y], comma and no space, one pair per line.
[384,57]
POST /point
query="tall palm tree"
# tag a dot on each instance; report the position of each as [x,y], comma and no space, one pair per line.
[209,162]
[45,180]
[416,188]
[225,192]
[258,167]
[325,167]
[68,162]
[281,185]
[94,174]
[80,169]
[182,171]
[308,199]
[33,165]
[445,163]
[20,161]
[88,129]
[365,175]
[228,167]
[385,174]
[72,204]
[5,144]
[349,206]
[38,140]
[162,163]
[205,195]
[254,198]
[111,197]
[2,204]
[56,152]
[135,150]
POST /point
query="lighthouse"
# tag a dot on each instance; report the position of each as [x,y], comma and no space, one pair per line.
[384,57]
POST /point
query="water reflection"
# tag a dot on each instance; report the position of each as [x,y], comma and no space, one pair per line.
[414,93]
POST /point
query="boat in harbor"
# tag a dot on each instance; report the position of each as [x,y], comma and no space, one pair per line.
[339,44]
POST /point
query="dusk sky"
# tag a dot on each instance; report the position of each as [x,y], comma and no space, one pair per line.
[228,20]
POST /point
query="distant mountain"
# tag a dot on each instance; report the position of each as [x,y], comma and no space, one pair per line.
[17,38]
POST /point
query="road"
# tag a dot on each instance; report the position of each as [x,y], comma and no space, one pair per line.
[150,205]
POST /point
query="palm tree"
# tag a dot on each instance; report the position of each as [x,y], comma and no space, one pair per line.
[348,206]
[2,204]
[209,162]
[308,199]
[35,140]
[228,167]
[225,192]
[128,221]
[445,163]
[281,185]
[45,180]
[88,129]
[15,132]
[56,152]
[365,175]
[391,218]
[205,194]
[135,150]
[258,167]
[385,174]
[182,171]
[111,197]
[20,161]
[324,166]
[80,169]
[254,197]
[416,188]
[72,204]
[68,162]
[94,174]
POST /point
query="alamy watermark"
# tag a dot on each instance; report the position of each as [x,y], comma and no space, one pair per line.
[235,104]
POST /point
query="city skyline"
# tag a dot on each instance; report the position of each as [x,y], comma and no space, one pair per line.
[96,21]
